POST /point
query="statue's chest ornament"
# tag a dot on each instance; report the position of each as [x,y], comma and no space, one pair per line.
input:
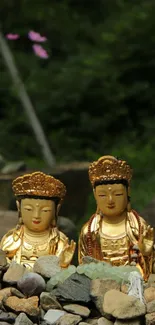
[35,246]
[113,244]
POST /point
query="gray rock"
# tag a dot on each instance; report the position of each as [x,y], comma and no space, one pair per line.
[77,309]
[98,289]
[14,273]
[104,321]
[53,315]
[67,226]
[47,301]
[22,319]
[42,313]
[31,284]
[122,306]
[68,319]
[150,319]
[17,293]
[7,317]
[75,289]
[4,323]
[47,266]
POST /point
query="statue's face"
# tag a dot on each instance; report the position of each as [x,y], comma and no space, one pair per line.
[111,199]
[37,214]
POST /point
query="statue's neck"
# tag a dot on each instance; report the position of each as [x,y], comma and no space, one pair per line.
[115,219]
[34,234]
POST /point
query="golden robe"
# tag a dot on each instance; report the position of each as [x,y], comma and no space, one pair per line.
[116,250]
[18,248]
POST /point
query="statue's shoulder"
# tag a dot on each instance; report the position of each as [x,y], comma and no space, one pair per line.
[62,236]
[136,222]
[92,223]
[84,229]
[11,240]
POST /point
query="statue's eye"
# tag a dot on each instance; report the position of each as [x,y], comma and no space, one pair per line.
[28,209]
[118,194]
[46,210]
[102,195]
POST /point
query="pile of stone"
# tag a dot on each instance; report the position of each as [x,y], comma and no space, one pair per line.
[48,295]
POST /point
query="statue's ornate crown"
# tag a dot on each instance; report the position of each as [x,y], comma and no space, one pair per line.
[38,184]
[109,168]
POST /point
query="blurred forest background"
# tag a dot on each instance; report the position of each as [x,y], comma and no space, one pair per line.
[94,95]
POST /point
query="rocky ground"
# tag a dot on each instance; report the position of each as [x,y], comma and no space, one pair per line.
[48,295]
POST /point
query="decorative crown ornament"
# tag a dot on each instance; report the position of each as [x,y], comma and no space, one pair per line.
[109,168]
[38,184]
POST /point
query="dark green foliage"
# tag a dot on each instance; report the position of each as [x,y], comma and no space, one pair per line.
[95,95]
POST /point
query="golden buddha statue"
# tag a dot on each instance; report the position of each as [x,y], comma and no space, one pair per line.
[115,233]
[38,197]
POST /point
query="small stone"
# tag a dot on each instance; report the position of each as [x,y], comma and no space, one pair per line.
[22,319]
[3,260]
[75,289]
[150,307]
[47,266]
[31,284]
[150,319]
[5,293]
[68,319]
[104,321]
[149,294]
[53,315]
[17,293]
[47,301]
[151,280]
[92,321]
[122,306]
[28,306]
[7,317]
[14,273]
[77,309]
[98,289]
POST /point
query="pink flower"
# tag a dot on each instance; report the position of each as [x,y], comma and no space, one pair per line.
[40,51]
[12,37]
[36,37]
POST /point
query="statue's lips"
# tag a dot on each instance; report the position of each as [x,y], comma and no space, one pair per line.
[111,206]
[36,222]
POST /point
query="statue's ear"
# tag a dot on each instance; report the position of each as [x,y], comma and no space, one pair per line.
[58,209]
[18,205]
[94,191]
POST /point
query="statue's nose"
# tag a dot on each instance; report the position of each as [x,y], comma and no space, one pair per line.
[36,214]
[110,199]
